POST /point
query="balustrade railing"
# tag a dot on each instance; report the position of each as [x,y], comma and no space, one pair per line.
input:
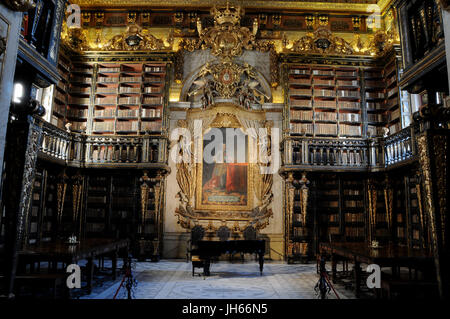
[349,153]
[55,142]
[81,149]
[399,147]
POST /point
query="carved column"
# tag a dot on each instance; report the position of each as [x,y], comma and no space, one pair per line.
[372,197]
[290,195]
[20,158]
[158,216]
[433,147]
[60,197]
[304,194]
[77,195]
[389,203]
[145,190]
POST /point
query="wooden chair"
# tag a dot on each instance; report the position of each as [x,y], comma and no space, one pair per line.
[249,234]
[197,234]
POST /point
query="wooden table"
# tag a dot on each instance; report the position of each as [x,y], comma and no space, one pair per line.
[387,256]
[89,249]
[208,249]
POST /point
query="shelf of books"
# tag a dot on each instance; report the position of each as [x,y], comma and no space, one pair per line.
[124,205]
[328,200]
[80,90]
[301,231]
[374,88]
[399,218]
[325,101]
[129,98]
[393,109]
[417,236]
[381,227]
[353,210]
[61,98]
[97,206]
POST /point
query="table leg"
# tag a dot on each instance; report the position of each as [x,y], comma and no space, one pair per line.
[357,278]
[90,275]
[261,262]
[206,265]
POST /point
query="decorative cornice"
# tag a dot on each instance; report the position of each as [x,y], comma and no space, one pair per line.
[336,5]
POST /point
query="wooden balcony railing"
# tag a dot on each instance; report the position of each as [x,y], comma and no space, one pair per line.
[349,154]
[82,150]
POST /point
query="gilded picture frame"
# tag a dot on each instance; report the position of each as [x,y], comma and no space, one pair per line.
[200,205]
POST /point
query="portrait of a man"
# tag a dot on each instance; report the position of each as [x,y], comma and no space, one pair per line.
[225,178]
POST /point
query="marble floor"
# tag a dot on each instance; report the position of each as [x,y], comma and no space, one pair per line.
[172,279]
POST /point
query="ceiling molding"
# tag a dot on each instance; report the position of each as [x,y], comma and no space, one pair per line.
[324,5]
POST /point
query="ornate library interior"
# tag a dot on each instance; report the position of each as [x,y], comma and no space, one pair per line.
[224,149]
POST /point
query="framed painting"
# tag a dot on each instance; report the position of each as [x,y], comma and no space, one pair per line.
[224,178]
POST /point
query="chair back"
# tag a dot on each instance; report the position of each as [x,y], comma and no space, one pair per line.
[223,233]
[197,233]
[250,233]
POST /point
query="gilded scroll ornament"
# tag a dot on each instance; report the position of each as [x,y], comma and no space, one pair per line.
[135,39]
[372,196]
[440,147]
[227,80]
[424,159]
[226,39]
[60,195]
[145,191]
[304,193]
[421,213]
[322,41]
[389,202]
[77,191]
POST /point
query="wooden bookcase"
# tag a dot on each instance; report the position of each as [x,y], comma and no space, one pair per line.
[81,80]
[328,202]
[353,209]
[325,101]
[302,231]
[124,204]
[374,88]
[104,98]
[416,220]
[344,101]
[393,109]
[97,206]
[61,97]
[43,208]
